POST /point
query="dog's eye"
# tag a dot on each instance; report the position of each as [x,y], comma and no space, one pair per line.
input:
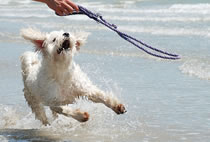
[54,39]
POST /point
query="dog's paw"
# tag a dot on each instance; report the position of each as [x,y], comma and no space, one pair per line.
[85,117]
[119,109]
[45,122]
[82,116]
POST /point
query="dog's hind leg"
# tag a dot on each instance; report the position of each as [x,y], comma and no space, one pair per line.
[36,107]
[67,111]
[110,101]
[54,113]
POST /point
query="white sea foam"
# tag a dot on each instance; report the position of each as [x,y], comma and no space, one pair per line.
[20,14]
[199,67]
[165,31]
[98,7]
[160,19]
[6,2]
[155,30]
[25,15]
[176,9]
[148,19]
[199,8]
[139,54]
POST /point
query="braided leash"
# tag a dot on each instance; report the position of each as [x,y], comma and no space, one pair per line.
[98,18]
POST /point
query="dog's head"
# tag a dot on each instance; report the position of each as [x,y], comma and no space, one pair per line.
[55,46]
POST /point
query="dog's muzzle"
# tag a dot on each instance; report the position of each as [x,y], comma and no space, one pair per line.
[65,46]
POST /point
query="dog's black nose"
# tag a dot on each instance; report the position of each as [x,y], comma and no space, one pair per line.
[66,34]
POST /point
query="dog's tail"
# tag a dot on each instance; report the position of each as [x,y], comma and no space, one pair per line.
[29,63]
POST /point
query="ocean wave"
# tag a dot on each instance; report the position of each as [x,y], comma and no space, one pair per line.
[196,7]
[159,19]
[154,30]
[133,54]
[27,16]
[199,67]
[6,2]
[111,18]
[193,12]
[201,9]
[166,31]
[22,8]
[147,18]
[10,37]
[23,14]
[176,9]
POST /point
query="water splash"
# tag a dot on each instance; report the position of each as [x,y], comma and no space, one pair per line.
[104,124]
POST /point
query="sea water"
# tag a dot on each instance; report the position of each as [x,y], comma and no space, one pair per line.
[166,101]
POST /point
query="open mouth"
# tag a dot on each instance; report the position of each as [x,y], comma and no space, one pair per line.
[65,46]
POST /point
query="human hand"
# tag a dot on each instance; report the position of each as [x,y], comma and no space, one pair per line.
[62,7]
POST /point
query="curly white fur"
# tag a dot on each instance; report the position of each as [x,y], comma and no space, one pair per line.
[56,80]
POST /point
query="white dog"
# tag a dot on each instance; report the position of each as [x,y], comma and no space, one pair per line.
[55,80]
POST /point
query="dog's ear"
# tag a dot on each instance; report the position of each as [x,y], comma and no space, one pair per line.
[35,36]
[81,38]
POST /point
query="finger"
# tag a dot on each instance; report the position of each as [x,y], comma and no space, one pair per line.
[67,9]
[60,13]
[63,10]
[75,7]
[66,12]
[58,10]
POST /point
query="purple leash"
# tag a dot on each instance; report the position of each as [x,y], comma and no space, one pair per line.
[97,17]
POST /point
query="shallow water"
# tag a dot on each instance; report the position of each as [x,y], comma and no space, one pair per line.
[166,100]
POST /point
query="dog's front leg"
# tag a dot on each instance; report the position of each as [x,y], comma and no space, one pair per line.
[67,111]
[36,107]
[112,102]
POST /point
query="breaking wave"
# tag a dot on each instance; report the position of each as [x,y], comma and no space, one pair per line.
[6,2]
[199,67]
[176,8]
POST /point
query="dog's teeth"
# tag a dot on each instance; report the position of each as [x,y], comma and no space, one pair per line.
[59,51]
